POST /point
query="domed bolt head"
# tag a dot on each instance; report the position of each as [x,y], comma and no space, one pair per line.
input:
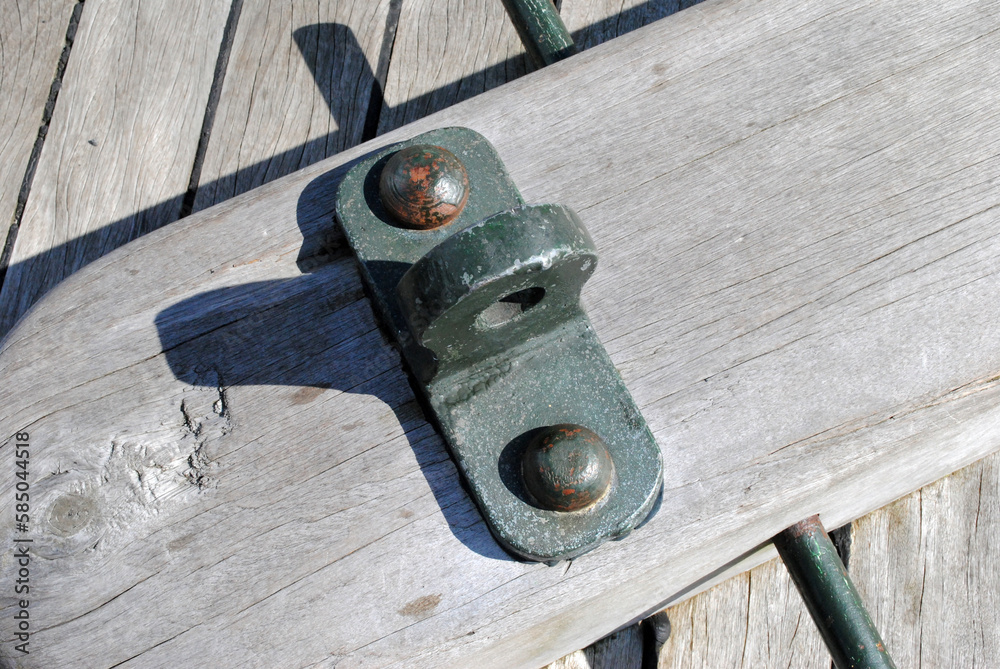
[424,186]
[567,468]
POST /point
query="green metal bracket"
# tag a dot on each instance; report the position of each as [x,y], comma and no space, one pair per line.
[482,294]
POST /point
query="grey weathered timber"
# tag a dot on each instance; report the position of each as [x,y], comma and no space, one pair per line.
[593,22]
[938,584]
[620,650]
[445,52]
[296,90]
[705,638]
[32,33]
[120,148]
[767,280]
[756,619]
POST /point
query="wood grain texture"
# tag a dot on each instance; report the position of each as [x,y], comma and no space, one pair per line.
[446,52]
[121,144]
[296,90]
[621,650]
[32,33]
[822,227]
[927,567]
[594,22]
[756,619]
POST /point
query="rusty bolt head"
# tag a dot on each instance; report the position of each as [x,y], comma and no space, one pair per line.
[424,186]
[567,468]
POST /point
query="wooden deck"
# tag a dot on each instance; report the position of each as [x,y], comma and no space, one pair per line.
[122,116]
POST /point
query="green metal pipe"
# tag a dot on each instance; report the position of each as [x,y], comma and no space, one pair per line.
[829,594]
[541,29]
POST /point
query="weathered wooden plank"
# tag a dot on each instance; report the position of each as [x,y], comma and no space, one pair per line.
[620,650]
[296,90]
[446,52]
[888,578]
[927,566]
[756,619]
[594,22]
[759,288]
[119,151]
[705,641]
[32,36]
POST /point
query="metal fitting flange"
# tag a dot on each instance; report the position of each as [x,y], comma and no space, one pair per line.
[485,307]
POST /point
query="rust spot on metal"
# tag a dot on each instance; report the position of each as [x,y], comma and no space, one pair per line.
[809,527]
[424,186]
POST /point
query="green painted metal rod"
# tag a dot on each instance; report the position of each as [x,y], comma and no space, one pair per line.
[829,594]
[541,29]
